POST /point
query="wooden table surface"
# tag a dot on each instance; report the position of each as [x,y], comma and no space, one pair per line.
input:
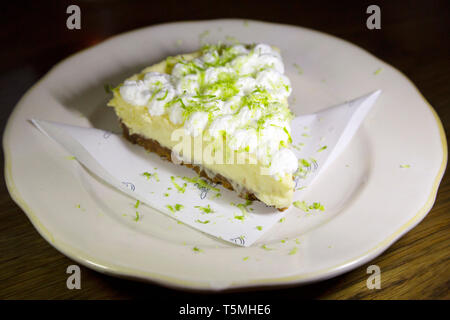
[413,38]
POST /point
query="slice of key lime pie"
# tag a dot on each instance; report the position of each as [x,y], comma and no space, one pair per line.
[222,111]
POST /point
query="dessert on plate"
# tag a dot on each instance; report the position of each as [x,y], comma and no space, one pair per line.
[222,111]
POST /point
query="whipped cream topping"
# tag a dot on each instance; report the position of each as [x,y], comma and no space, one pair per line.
[238,92]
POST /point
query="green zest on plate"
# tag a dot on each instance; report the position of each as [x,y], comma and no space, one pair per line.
[175,208]
[265,247]
[149,175]
[202,222]
[137,217]
[316,206]
[137,204]
[196,249]
[206,209]
[321,149]
[304,163]
[304,168]
[243,207]
[259,228]
[201,183]
[405,166]
[180,189]
[301,205]
[305,207]
[293,251]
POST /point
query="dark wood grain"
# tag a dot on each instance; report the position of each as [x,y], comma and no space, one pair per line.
[414,38]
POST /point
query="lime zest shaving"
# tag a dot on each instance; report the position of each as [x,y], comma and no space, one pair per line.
[206,209]
[316,206]
[180,189]
[293,251]
[202,222]
[377,71]
[266,247]
[175,208]
[259,228]
[323,148]
[405,166]
[305,207]
[137,204]
[79,207]
[243,207]
[196,249]
[245,258]
[165,96]
[137,217]
[288,134]
[301,205]
[149,175]
[305,163]
[201,183]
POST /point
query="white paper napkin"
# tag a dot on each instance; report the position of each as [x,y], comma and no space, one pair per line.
[317,139]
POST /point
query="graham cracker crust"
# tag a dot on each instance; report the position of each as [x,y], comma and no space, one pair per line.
[165,153]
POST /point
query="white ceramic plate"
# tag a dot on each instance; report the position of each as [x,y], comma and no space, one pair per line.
[370,199]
